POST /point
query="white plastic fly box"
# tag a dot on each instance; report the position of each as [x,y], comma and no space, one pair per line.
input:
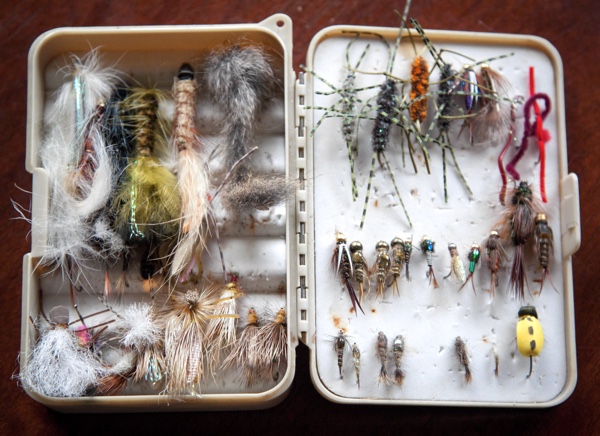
[317,260]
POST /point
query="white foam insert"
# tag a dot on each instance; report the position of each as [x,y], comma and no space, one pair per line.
[430,319]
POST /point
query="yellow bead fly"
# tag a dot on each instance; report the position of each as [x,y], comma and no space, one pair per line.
[530,336]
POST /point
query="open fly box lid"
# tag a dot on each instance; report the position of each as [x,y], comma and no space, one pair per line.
[404,349]
[256,246]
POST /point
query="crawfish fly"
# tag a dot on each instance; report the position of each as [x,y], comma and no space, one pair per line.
[398,352]
[495,255]
[382,265]
[428,248]
[361,271]
[457,268]
[474,255]
[342,263]
[544,246]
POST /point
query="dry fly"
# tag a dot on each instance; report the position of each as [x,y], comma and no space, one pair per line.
[143,359]
[473,256]
[382,344]
[356,361]
[271,346]
[397,261]
[192,173]
[457,268]
[244,358]
[361,270]
[340,343]
[184,318]
[518,224]
[220,335]
[382,266]
[398,352]
[428,248]
[60,364]
[342,264]
[544,246]
[461,352]
[495,256]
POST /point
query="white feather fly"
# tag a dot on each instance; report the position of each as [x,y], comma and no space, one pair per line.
[79,167]
[58,365]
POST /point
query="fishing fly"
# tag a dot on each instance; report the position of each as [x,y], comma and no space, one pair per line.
[221,330]
[445,105]
[340,343]
[428,248]
[544,246]
[342,264]
[61,364]
[495,256]
[347,107]
[382,344]
[382,266]
[192,174]
[147,203]
[184,318]
[407,250]
[473,256]
[361,270]
[141,341]
[457,268]
[387,99]
[530,336]
[461,352]
[271,346]
[397,263]
[140,333]
[243,357]
[80,171]
[494,118]
[241,83]
[518,225]
[356,362]
[398,352]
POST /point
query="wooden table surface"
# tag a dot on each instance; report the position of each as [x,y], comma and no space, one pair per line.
[573,29]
